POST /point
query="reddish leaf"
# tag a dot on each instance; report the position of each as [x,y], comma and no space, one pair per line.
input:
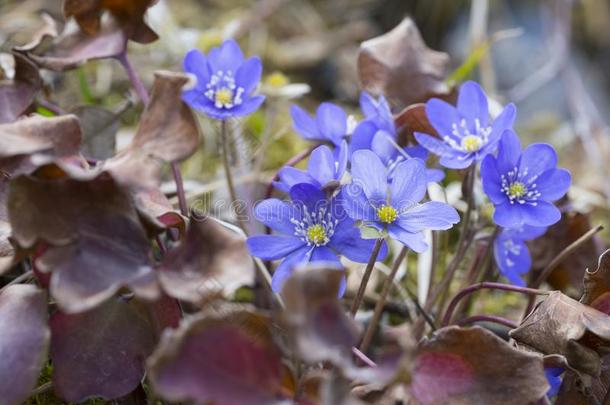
[73,47]
[561,325]
[98,244]
[225,356]
[17,95]
[157,212]
[24,341]
[100,352]
[400,66]
[210,261]
[474,366]
[412,119]
[322,330]
[130,13]
[168,129]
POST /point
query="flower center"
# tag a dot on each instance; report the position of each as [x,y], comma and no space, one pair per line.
[517,190]
[277,79]
[471,143]
[316,234]
[315,228]
[222,90]
[387,214]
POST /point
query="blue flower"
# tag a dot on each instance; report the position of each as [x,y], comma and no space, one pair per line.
[394,207]
[225,81]
[378,133]
[523,185]
[553,376]
[329,125]
[466,133]
[325,169]
[511,253]
[311,228]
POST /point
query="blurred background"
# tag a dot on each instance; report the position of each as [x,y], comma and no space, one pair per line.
[551,58]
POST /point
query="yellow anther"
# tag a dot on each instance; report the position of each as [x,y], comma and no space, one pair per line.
[387,214]
[471,143]
[517,190]
[277,79]
[224,96]
[316,234]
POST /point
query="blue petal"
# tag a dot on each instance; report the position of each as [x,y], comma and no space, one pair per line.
[458,161]
[553,184]
[285,269]
[341,156]
[310,196]
[197,100]
[409,184]
[321,165]
[417,152]
[508,215]
[432,215]
[362,138]
[356,203]
[525,232]
[230,56]
[304,124]
[196,63]
[509,151]
[414,241]
[291,176]
[369,173]
[277,215]
[247,107]
[434,175]
[332,122]
[538,158]
[434,145]
[249,74]
[542,214]
[273,247]
[442,116]
[492,183]
[472,104]
[383,147]
[324,254]
[503,122]
[347,242]
[512,258]
[368,105]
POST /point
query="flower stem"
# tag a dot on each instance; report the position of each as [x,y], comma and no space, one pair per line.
[489,285]
[224,134]
[365,278]
[142,93]
[387,285]
[363,357]
[546,272]
[488,318]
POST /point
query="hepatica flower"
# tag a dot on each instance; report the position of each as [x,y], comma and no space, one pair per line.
[523,185]
[330,123]
[394,207]
[466,132]
[511,253]
[324,169]
[225,81]
[310,228]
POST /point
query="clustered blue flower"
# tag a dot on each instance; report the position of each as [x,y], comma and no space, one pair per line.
[361,177]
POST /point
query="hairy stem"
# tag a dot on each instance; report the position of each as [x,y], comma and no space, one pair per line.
[142,93]
[225,135]
[387,285]
[365,278]
[486,285]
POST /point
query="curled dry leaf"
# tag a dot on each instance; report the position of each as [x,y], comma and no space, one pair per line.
[99,127]
[597,285]
[168,128]
[100,352]
[399,65]
[157,212]
[129,13]
[322,330]
[412,119]
[224,355]
[18,94]
[74,47]
[561,325]
[97,242]
[24,341]
[474,366]
[210,261]
[568,275]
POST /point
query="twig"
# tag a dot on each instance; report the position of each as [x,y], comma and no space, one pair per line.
[487,318]
[367,275]
[387,285]
[180,189]
[363,357]
[546,272]
[486,284]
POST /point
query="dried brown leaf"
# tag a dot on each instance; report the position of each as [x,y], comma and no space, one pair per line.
[399,65]
[18,94]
